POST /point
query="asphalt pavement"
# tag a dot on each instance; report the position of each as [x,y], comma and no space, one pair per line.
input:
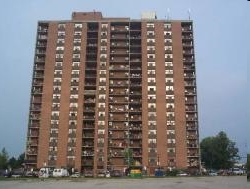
[218,182]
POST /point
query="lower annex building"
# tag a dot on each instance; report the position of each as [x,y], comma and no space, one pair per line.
[110,93]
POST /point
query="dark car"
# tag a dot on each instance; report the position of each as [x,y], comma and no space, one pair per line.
[88,173]
[248,174]
[116,173]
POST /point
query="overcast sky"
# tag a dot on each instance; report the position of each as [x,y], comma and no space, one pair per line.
[221,31]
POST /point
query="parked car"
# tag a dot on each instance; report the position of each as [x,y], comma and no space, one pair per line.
[75,175]
[116,173]
[101,174]
[45,172]
[88,173]
[61,172]
[212,173]
[182,174]
[237,171]
[5,173]
[17,173]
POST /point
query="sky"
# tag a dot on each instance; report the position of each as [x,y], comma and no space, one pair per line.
[221,34]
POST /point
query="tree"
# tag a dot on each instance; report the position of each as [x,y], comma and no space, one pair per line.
[16,163]
[218,152]
[4,159]
[248,162]
[129,156]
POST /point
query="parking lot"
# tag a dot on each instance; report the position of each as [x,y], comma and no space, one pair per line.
[233,182]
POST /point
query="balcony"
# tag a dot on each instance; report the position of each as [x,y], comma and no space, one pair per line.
[34,125]
[188,63]
[192,145]
[192,137]
[89,117]
[35,116]
[89,92]
[88,135]
[35,108]
[187,37]
[152,136]
[119,36]
[32,152]
[191,128]
[88,153]
[40,60]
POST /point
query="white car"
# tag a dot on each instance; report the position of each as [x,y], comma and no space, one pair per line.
[237,171]
[60,172]
[44,172]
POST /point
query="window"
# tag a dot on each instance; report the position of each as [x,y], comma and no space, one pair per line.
[102,122]
[169,88]
[151,79]
[150,25]
[61,33]
[54,122]
[170,132]
[74,88]
[61,25]
[104,25]
[104,40]
[102,72]
[170,97]
[168,56]
[151,105]
[151,72]
[150,33]
[56,96]
[77,48]
[75,105]
[74,96]
[102,97]
[169,64]
[55,113]
[58,64]
[76,72]
[151,114]
[60,40]
[77,40]
[101,105]
[152,141]
[59,55]
[150,47]
[101,114]
[150,40]
[169,71]
[151,63]
[168,40]
[169,80]
[170,114]
[60,48]
[78,25]
[57,88]
[168,48]
[151,55]
[152,88]
[77,33]
[167,25]
[167,33]
[76,55]
[171,141]
[58,72]
[75,64]
[170,105]
[171,150]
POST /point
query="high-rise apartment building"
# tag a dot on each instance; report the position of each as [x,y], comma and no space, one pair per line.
[110,93]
